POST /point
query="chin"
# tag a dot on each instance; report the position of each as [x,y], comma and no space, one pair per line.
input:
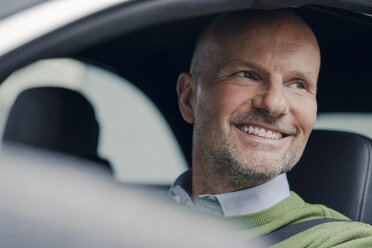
[264,169]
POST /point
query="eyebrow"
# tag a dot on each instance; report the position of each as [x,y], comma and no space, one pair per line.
[301,74]
[232,63]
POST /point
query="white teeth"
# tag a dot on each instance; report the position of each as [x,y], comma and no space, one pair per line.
[251,129]
[269,134]
[261,132]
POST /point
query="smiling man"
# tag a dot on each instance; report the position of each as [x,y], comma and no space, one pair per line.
[251,95]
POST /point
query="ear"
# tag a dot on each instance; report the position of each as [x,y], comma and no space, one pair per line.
[186,93]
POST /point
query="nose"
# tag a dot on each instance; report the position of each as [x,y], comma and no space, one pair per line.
[272,99]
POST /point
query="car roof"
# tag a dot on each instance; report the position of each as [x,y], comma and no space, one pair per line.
[46,15]
[11,7]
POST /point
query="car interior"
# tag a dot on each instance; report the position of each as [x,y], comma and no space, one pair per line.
[123,131]
[56,119]
[154,66]
[335,169]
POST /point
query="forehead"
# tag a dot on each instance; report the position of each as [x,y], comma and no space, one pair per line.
[281,40]
[281,31]
[260,22]
[268,49]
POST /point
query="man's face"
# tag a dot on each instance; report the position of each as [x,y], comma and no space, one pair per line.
[255,104]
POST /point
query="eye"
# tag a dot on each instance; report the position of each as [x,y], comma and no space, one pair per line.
[247,74]
[300,85]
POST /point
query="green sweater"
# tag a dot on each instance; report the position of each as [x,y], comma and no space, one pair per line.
[294,210]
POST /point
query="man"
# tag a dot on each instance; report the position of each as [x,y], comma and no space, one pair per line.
[251,95]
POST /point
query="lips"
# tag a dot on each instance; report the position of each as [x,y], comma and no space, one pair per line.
[261,132]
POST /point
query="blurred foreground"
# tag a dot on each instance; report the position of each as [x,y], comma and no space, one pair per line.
[50,200]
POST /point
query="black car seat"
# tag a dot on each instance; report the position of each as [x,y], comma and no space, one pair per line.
[56,119]
[336,170]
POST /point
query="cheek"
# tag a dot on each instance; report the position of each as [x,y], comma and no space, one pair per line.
[225,99]
[229,98]
[305,114]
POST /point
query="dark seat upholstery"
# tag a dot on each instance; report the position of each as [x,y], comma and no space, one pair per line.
[56,119]
[336,171]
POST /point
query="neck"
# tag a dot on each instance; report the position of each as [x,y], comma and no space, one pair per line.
[207,179]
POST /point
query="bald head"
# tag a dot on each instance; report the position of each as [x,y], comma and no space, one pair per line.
[232,32]
[251,96]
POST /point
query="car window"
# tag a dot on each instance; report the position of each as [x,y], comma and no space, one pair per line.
[134,136]
[360,123]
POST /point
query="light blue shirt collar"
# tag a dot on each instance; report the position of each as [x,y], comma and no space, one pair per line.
[241,202]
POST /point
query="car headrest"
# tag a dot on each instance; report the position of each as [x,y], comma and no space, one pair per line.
[56,119]
[335,170]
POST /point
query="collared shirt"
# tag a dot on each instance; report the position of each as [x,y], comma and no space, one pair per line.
[241,202]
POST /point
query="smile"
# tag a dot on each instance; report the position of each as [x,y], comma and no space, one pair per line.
[261,132]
